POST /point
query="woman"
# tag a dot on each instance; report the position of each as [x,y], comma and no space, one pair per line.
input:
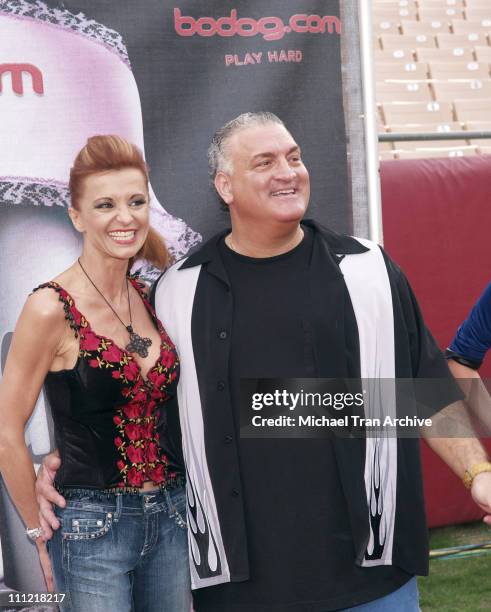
[109,369]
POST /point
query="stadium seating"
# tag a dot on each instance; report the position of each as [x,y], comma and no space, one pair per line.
[407,71]
[417,113]
[432,67]
[430,28]
[472,110]
[447,92]
[451,41]
[469,27]
[454,54]
[451,71]
[403,92]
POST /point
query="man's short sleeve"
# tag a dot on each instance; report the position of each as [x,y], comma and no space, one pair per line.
[473,338]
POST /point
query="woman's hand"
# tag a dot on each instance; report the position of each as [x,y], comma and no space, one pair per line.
[47,495]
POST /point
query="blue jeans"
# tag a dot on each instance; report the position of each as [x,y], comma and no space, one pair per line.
[405,599]
[122,552]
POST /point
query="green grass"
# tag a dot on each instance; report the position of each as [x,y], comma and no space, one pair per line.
[458,585]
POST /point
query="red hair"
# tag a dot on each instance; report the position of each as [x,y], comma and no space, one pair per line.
[104,153]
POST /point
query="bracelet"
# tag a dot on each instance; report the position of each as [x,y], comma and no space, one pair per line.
[473,471]
[35,533]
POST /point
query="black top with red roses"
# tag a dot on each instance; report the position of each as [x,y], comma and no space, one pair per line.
[106,414]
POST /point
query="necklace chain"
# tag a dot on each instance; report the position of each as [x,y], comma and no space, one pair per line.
[128,327]
[137,344]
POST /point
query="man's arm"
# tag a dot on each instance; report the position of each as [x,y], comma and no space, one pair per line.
[460,454]
[47,494]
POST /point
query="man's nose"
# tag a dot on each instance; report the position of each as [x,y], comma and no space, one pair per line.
[284,171]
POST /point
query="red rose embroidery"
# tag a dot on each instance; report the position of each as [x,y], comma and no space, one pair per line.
[156,394]
[140,396]
[156,474]
[133,411]
[147,430]
[90,342]
[135,478]
[117,420]
[119,442]
[130,370]
[112,354]
[149,407]
[168,359]
[132,431]
[151,375]
[152,452]
[120,465]
[135,455]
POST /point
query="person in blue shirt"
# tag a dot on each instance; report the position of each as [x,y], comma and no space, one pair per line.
[473,338]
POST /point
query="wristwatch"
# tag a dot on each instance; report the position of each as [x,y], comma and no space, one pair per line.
[473,471]
[35,533]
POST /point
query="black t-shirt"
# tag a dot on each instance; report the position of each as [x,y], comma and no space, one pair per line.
[299,539]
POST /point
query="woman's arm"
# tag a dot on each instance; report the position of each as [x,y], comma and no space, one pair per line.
[38,339]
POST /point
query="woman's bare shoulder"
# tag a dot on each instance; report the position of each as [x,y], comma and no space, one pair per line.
[43,306]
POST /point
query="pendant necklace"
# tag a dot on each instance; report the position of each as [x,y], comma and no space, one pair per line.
[137,344]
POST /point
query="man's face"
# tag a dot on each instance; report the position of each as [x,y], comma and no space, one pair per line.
[268,182]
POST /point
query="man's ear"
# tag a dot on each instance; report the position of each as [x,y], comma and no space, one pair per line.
[223,186]
[74,215]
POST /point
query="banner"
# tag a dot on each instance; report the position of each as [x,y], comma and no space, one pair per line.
[165,75]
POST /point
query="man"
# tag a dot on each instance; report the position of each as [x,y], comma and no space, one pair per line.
[466,354]
[473,338]
[295,525]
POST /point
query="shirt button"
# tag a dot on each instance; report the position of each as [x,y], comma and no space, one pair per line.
[235,493]
[228,439]
[222,334]
[220,385]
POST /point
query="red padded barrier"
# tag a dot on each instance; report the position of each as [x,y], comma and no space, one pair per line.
[437,226]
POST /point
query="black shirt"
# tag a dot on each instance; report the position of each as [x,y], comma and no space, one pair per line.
[299,539]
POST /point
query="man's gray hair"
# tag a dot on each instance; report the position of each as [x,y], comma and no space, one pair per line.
[218,155]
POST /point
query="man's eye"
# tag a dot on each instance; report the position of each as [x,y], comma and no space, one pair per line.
[264,163]
[296,159]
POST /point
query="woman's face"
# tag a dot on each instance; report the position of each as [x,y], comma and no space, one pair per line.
[113,212]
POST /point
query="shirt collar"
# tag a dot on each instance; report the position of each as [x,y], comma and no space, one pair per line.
[338,244]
